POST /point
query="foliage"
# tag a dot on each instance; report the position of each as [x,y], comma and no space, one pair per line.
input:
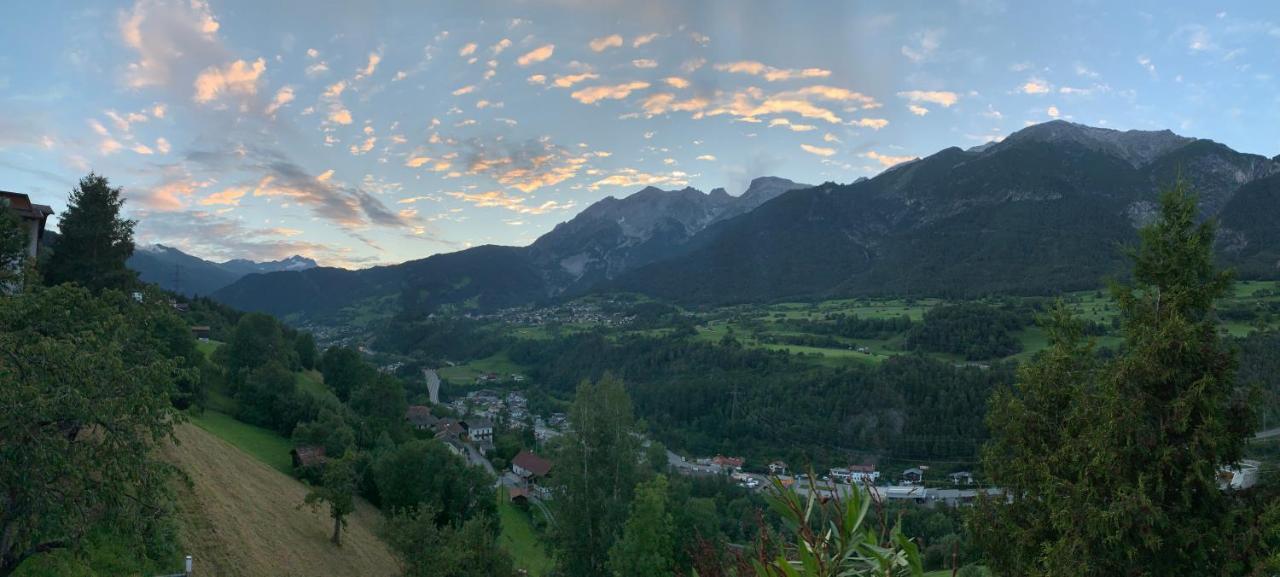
[84,395]
[13,245]
[427,549]
[595,473]
[1110,467]
[833,539]
[258,340]
[95,241]
[344,371]
[647,544]
[380,402]
[423,474]
[337,488]
[972,330]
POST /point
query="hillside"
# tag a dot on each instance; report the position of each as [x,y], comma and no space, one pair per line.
[180,272]
[240,517]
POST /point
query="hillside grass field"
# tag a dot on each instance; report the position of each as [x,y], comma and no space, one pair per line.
[520,540]
[243,517]
[262,444]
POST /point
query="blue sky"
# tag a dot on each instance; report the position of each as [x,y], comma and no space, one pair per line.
[370,133]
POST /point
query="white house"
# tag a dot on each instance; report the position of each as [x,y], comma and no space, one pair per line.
[855,474]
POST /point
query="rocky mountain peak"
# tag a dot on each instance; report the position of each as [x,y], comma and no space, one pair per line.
[1137,147]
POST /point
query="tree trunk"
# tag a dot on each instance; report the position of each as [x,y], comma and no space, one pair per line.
[337,531]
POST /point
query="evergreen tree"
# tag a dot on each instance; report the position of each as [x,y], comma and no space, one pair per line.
[646,546]
[430,550]
[95,241]
[337,488]
[1111,468]
[596,471]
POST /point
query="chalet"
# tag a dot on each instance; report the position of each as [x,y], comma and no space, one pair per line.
[420,417]
[33,217]
[478,430]
[855,474]
[777,468]
[731,464]
[961,478]
[200,332]
[530,467]
[308,457]
[912,476]
[449,428]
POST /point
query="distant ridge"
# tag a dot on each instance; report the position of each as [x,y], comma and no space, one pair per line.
[178,271]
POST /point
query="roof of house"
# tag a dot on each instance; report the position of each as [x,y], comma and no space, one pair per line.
[914,470]
[419,415]
[21,204]
[478,423]
[449,428]
[532,463]
[727,461]
[309,455]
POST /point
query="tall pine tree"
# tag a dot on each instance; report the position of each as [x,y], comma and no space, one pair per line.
[1111,467]
[647,546]
[596,470]
[94,240]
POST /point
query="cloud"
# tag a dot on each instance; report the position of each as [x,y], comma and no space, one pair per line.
[500,199]
[347,206]
[162,145]
[283,97]
[1147,64]
[750,104]
[886,160]
[228,196]
[158,110]
[791,125]
[239,77]
[467,49]
[923,45]
[168,39]
[605,42]
[663,102]
[1052,111]
[537,79]
[567,81]
[325,176]
[818,150]
[676,82]
[770,73]
[630,177]
[644,63]
[1034,86]
[872,123]
[370,67]
[643,39]
[468,89]
[708,157]
[498,48]
[217,236]
[340,115]
[612,92]
[917,109]
[940,97]
[536,55]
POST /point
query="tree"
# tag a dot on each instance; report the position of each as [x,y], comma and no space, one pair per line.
[257,340]
[344,371]
[1111,467]
[305,345]
[423,474]
[337,488]
[84,397]
[13,245]
[95,241]
[646,546]
[426,549]
[596,471]
[380,401]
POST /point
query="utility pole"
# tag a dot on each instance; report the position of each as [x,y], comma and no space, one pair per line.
[177,278]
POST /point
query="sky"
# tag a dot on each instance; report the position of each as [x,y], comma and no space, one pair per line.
[370,133]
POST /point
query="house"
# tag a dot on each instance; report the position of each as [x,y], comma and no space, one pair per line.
[308,457]
[518,495]
[455,446]
[732,464]
[33,217]
[420,417]
[912,476]
[777,468]
[478,430]
[855,474]
[200,332]
[530,467]
[449,428]
[900,493]
[961,478]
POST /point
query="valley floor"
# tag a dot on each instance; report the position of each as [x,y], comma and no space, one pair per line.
[241,517]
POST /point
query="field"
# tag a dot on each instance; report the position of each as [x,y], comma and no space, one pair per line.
[241,517]
[464,375]
[520,540]
[262,444]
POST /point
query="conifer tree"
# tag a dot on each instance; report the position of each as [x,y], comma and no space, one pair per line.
[646,546]
[94,240]
[1111,468]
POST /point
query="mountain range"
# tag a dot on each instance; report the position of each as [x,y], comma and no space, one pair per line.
[180,272]
[1047,209]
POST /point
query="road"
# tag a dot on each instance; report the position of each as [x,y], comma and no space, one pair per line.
[1267,434]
